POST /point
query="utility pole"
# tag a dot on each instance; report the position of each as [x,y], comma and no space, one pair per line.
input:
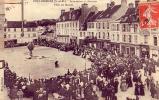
[22,11]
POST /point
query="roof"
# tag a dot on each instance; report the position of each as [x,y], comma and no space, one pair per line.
[109,12]
[75,15]
[18,24]
[87,19]
[46,22]
[94,16]
[130,16]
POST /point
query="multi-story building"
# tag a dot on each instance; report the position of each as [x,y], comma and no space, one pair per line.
[2,21]
[129,31]
[99,25]
[13,32]
[71,23]
[131,38]
[150,43]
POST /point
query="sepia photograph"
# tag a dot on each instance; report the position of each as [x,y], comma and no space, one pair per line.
[79,49]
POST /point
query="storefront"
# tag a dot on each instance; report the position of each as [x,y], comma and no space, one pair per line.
[129,49]
[115,47]
[144,51]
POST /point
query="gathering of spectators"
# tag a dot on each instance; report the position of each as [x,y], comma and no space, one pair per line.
[109,73]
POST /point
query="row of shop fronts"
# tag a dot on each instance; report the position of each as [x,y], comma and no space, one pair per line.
[144,51]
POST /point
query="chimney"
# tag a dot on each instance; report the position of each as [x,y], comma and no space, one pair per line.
[70,13]
[136,3]
[85,6]
[112,3]
[131,5]
[108,5]
[62,12]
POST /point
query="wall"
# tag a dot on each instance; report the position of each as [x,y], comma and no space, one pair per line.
[2,19]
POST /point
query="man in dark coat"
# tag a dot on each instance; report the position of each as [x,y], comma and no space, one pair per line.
[142,92]
[137,89]
[116,84]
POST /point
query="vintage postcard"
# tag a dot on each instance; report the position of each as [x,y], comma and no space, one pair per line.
[79,49]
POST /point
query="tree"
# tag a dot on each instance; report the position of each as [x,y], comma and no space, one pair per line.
[31,48]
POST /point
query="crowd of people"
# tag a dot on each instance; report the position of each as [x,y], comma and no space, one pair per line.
[109,73]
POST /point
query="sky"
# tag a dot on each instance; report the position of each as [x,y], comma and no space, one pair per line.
[42,10]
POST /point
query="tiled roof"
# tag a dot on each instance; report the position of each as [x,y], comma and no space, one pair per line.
[109,12]
[75,15]
[130,16]
[94,16]
[18,24]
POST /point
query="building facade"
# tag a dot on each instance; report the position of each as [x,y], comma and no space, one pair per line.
[71,23]
[99,26]
[13,32]
[2,22]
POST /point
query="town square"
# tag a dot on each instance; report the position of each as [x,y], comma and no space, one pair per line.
[103,50]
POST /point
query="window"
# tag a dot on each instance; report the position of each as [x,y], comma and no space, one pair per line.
[113,36]
[117,27]
[103,35]
[103,26]
[145,39]
[14,29]
[123,27]
[108,35]
[8,29]
[84,34]
[130,38]
[135,39]
[107,25]
[8,35]
[76,25]
[34,35]
[5,29]
[117,37]
[80,34]
[89,33]
[99,35]
[4,35]
[124,38]
[155,41]
[28,29]
[33,29]
[89,25]
[73,24]
[14,35]
[135,27]
[128,28]
[99,25]
[92,25]
[28,35]
[92,34]
[112,27]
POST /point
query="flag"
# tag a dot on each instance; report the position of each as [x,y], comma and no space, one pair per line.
[149,15]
